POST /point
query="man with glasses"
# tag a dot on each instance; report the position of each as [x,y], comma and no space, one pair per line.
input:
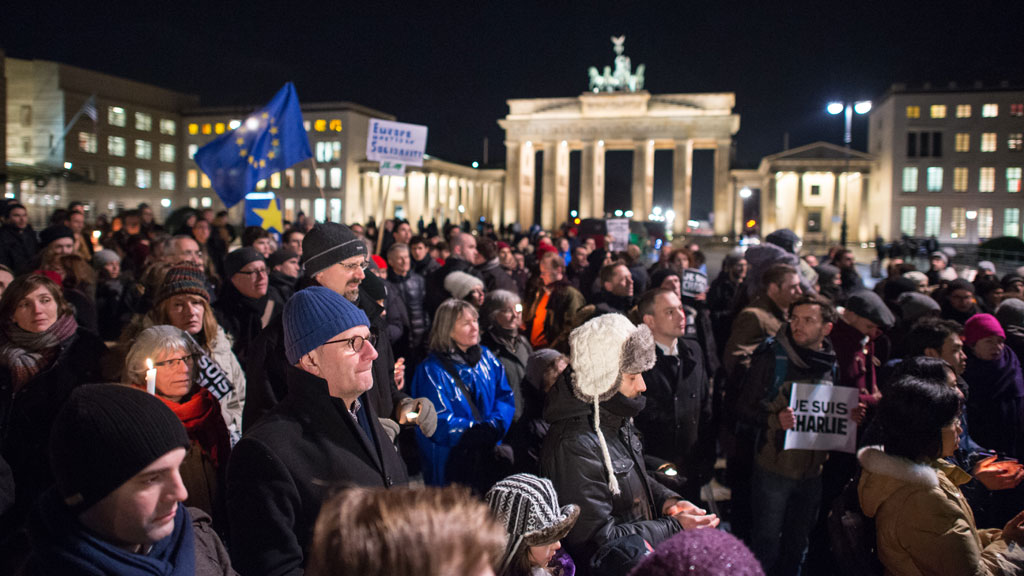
[324,433]
[243,304]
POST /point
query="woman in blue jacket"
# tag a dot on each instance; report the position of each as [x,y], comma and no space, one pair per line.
[467,385]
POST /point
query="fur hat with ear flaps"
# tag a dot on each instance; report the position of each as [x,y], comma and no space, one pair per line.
[601,351]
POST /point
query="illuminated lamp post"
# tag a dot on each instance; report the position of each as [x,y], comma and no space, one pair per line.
[836,108]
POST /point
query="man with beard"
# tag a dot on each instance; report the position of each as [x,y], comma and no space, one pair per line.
[616,295]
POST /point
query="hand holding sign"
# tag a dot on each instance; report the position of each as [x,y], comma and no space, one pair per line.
[787,418]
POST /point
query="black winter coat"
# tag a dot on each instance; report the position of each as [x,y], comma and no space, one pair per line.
[676,422]
[18,248]
[285,466]
[412,288]
[514,360]
[280,288]
[571,458]
[495,277]
[26,417]
[241,317]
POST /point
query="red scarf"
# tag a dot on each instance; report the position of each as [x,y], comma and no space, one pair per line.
[204,424]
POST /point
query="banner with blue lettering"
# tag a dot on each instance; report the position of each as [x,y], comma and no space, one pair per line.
[396,141]
[824,418]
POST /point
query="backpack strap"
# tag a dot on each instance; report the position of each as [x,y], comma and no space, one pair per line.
[449,367]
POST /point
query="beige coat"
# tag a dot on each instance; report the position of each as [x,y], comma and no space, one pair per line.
[752,326]
[924,523]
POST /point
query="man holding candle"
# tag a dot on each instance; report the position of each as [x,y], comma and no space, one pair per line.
[323,433]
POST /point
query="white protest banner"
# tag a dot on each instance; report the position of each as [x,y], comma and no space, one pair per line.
[618,229]
[397,141]
[392,168]
[823,418]
[694,282]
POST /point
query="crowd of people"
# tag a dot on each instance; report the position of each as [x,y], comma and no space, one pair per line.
[187,398]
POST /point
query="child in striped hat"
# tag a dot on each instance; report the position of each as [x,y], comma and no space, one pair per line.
[527,506]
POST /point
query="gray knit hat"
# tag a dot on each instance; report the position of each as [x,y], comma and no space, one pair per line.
[327,244]
[914,305]
[104,257]
[1011,313]
[527,506]
[459,284]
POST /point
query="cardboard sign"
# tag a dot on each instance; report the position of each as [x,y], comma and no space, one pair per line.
[694,282]
[397,141]
[823,418]
[618,229]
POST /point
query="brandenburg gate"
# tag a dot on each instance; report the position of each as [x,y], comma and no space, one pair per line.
[616,114]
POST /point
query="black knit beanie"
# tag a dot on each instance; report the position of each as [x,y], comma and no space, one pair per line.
[53,233]
[104,435]
[327,244]
[238,259]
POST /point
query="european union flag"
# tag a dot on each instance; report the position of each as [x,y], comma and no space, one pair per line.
[268,141]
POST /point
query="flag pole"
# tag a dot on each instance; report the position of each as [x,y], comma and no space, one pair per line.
[380,212]
[320,187]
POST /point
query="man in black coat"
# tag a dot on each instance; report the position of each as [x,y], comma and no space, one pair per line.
[324,434]
[676,422]
[491,272]
[412,289]
[463,256]
[18,242]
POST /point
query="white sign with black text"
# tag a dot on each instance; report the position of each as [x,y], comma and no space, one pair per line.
[824,418]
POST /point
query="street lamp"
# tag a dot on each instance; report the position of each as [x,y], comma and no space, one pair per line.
[744,193]
[836,108]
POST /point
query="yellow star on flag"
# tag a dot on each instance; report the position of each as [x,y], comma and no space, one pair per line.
[270,155]
[275,142]
[271,215]
[273,129]
[265,115]
[239,141]
[243,152]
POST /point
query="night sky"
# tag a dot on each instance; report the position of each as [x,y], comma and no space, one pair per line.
[452,65]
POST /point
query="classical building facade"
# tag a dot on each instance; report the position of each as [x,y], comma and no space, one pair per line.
[949,161]
[597,122]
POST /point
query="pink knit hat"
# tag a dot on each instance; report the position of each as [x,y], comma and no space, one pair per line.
[981,326]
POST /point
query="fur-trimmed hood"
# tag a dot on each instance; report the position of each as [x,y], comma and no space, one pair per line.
[883,475]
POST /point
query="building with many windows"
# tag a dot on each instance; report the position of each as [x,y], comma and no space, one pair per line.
[949,161]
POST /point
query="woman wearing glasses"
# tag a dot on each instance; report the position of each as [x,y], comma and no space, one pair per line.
[44,355]
[474,403]
[173,354]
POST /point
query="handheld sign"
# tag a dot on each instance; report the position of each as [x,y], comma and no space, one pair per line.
[396,141]
[823,418]
[618,229]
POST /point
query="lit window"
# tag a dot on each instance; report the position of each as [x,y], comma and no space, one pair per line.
[908,220]
[913,112]
[984,222]
[336,178]
[116,116]
[1011,222]
[116,175]
[167,152]
[168,126]
[321,176]
[910,179]
[960,175]
[275,180]
[963,111]
[988,142]
[234,124]
[1013,180]
[193,178]
[262,184]
[323,151]
[320,125]
[319,210]
[206,202]
[335,209]
[143,121]
[958,225]
[304,175]
[167,180]
[963,142]
[938,111]
[204,180]
[218,128]
[932,220]
[143,149]
[289,178]
[336,150]
[87,142]
[143,178]
[1015,142]
[987,179]
[192,149]
[193,129]
[207,129]
[934,179]
[116,146]
[335,125]
[989,110]
[1016,109]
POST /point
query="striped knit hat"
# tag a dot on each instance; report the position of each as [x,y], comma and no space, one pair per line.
[185,278]
[527,506]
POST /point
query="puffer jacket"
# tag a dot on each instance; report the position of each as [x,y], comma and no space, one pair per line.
[413,290]
[924,524]
[491,396]
[571,458]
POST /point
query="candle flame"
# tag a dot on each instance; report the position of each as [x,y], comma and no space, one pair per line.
[149,364]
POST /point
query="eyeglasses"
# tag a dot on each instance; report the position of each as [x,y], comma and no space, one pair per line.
[356,265]
[355,342]
[173,362]
[251,273]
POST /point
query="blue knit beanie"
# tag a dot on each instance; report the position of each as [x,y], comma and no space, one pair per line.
[315,315]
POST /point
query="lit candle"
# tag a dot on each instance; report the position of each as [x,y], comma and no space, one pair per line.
[150,377]
[412,415]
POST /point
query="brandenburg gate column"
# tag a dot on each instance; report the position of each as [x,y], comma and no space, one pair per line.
[682,187]
[519,178]
[643,179]
[592,180]
[723,199]
[555,199]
